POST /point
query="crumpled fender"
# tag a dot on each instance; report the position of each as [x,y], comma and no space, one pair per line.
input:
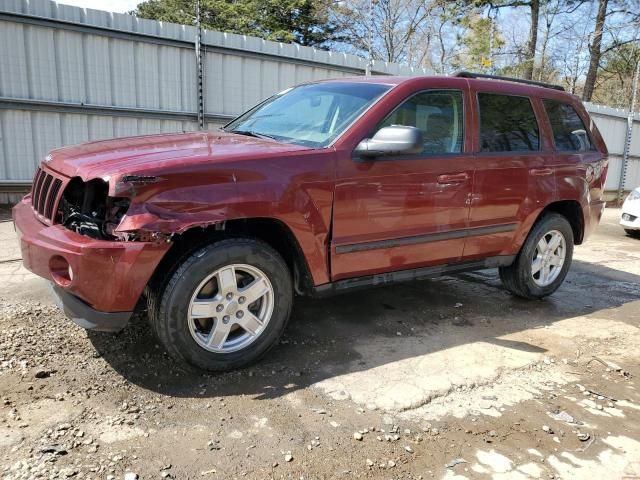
[163,209]
[148,217]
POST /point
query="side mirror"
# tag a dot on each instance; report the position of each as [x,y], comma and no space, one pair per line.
[393,140]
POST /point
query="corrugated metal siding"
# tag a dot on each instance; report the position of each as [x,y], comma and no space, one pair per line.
[612,123]
[58,53]
[51,52]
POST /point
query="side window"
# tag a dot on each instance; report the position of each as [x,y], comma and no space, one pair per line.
[569,132]
[507,124]
[439,114]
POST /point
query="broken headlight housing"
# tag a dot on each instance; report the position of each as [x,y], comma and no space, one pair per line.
[87,209]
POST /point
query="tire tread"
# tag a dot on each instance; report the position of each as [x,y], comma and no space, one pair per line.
[158,298]
[515,277]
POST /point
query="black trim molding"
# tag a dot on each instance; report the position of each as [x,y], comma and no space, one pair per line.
[424,273]
[428,238]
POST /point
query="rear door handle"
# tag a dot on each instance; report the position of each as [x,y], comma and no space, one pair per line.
[541,172]
[450,178]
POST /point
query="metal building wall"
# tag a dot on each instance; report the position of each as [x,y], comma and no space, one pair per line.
[612,123]
[70,75]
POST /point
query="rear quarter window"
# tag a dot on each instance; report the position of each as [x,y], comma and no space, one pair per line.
[569,132]
[507,124]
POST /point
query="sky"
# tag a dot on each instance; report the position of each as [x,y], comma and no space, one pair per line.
[120,6]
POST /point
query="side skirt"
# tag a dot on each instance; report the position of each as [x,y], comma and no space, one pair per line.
[424,273]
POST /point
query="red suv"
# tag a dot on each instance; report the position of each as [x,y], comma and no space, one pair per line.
[322,188]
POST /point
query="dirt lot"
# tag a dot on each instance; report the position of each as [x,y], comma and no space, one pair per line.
[451,378]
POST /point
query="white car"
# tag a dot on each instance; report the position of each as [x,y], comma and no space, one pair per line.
[630,218]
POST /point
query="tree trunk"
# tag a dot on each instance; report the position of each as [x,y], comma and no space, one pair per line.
[595,52]
[533,40]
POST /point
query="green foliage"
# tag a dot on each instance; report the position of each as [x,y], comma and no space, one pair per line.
[478,43]
[622,60]
[305,22]
[444,35]
[615,76]
[515,69]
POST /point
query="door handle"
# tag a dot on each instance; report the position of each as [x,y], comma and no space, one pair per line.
[541,172]
[450,178]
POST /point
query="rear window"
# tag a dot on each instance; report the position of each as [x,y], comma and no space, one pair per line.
[569,132]
[507,124]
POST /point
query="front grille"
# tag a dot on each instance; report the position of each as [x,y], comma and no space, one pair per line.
[45,195]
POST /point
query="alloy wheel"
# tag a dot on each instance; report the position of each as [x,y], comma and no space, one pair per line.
[230,308]
[548,258]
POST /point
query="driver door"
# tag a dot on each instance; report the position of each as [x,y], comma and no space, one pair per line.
[407,211]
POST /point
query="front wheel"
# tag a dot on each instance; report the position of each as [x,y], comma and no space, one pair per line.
[543,261]
[225,305]
[632,233]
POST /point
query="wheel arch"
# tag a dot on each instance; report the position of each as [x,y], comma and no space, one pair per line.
[272,231]
[572,211]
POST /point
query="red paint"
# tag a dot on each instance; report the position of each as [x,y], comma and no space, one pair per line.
[208,177]
[109,276]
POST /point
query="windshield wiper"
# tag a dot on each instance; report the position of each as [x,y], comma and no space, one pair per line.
[251,133]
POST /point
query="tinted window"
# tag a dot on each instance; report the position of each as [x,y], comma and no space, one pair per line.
[507,124]
[569,133]
[438,114]
[313,114]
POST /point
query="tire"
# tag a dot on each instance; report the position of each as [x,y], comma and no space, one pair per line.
[632,233]
[186,338]
[519,278]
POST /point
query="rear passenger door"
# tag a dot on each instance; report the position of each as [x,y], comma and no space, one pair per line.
[508,166]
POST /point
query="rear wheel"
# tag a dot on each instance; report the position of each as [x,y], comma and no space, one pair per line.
[543,261]
[225,305]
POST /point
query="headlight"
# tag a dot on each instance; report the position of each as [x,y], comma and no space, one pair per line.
[634,195]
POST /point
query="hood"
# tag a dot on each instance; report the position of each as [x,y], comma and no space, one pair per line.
[134,155]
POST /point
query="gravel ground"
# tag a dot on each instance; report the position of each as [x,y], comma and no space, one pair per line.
[451,378]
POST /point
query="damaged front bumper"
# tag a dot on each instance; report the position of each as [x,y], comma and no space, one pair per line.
[98,281]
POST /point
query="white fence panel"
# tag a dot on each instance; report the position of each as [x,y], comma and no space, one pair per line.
[70,75]
[612,123]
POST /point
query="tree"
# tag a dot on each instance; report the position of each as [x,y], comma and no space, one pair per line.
[595,51]
[620,33]
[478,41]
[616,76]
[534,16]
[550,12]
[399,28]
[534,6]
[306,22]
[567,51]
[448,30]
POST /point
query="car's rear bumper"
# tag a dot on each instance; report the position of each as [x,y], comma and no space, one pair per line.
[592,216]
[92,277]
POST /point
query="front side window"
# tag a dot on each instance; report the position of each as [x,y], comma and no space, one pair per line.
[507,124]
[569,132]
[439,114]
[311,115]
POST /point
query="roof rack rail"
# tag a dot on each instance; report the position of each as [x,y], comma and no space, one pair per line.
[465,74]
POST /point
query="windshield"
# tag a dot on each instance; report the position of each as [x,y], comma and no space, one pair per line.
[311,115]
